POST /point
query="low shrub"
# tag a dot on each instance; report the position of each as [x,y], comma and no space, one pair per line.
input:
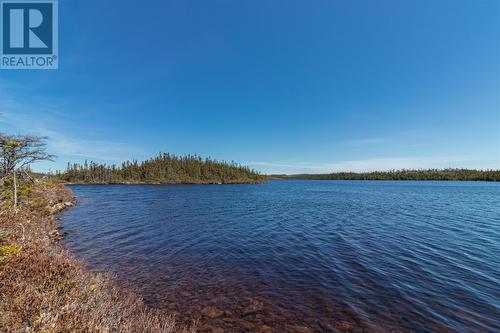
[44,289]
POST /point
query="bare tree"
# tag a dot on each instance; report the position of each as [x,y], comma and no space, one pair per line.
[17,152]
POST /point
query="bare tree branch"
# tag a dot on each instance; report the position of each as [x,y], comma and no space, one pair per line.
[17,152]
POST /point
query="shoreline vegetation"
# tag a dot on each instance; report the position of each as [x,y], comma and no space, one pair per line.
[423,174]
[43,288]
[162,169]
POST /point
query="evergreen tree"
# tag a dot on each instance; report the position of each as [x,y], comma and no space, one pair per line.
[164,168]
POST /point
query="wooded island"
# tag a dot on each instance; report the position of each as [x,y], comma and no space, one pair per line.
[163,169]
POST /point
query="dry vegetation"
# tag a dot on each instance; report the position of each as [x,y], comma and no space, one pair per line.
[44,289]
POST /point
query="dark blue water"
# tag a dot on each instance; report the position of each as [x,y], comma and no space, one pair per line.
[302,256]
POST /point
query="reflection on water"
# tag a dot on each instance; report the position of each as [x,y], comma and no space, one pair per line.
[302,256]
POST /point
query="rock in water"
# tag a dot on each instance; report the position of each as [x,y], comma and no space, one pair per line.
[254,307]
[212,312]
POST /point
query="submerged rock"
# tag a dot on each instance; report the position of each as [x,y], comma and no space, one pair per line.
[265,329]
[343,325]
[255,307]
[247,325]
[212,312]
[218,330]
[301,329]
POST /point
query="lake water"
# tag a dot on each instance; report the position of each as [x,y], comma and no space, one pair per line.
[301,256]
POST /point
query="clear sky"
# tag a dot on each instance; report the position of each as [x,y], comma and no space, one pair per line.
[283,86]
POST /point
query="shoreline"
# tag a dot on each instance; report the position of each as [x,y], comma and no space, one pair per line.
[168,183]
[45,288]
[394,180]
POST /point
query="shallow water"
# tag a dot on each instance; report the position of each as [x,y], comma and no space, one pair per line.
[302,256]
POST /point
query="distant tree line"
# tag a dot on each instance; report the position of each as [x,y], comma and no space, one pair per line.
[165,168]
[428,174]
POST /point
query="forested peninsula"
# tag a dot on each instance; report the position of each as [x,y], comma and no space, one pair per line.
[428,174]
[162,169]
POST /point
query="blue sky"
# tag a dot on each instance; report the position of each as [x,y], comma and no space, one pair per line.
[282,86]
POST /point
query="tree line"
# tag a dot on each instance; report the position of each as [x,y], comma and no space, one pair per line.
[164,168]
[424,174]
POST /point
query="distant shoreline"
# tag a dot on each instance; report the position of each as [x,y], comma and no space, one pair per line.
[394,180]
[253,182]
[420,175]
[277,179]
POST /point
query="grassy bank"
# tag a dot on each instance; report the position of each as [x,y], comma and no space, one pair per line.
[44,289]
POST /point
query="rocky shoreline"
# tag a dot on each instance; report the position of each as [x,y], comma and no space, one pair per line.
[43,288]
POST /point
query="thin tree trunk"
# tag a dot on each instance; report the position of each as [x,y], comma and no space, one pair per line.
[15,188]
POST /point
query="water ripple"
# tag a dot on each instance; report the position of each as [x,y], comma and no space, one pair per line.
[329,255]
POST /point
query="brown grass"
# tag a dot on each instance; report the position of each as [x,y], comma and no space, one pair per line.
[44,289]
